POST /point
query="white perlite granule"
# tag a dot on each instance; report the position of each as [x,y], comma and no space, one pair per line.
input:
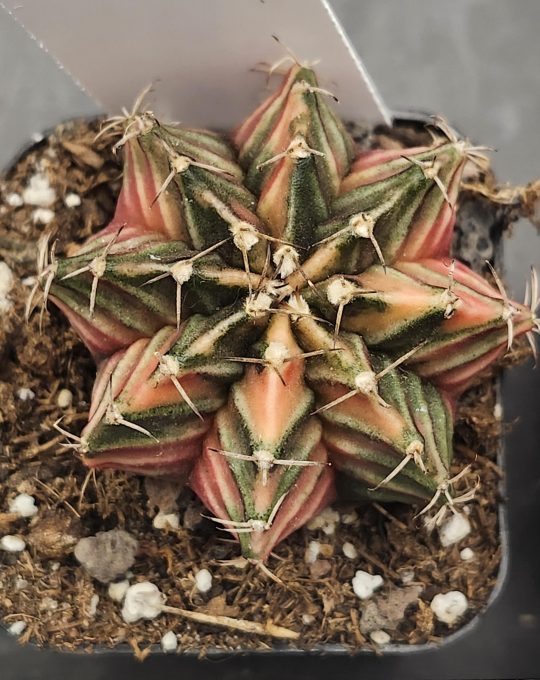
[116,591]
[17,628]
[12,544]
[23,505]
[92,609]
[312,552]
[365,584]
[25,394]
[203,580]
[39,192]
[72,200]
[454,530]
[449,607]
[169,642]
[466,554]
[14,200]
[64,398]
[142,601]
[42,216]
[326,520]
[380,637]
[6,284]
[166,520]
[350,551]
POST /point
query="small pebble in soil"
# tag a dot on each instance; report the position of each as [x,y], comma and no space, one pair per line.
[25,394]
[48,604]
[29,281]
[466,554]
[454,530]
[142,601]
[72,200]
[312,552]
[166,520]
[380,637]
[64,398]
[107,555]
[14,200]
[326,520]
[92,609]
[39,192]
[42,216]
[203,580]
[350,551]
[349,517]
[365,584]
[12,544]
[17,628]
[307,619]
[20,583]
[449,607]
[497,411]
[6,284]
[23,505]
[117,590]
[169,642]
[407,576]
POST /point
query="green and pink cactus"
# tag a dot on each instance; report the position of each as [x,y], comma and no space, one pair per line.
[275,312]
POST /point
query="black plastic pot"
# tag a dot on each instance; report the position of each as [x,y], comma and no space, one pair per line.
[502,642]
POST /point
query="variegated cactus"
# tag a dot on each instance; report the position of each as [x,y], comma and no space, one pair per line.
[276,312]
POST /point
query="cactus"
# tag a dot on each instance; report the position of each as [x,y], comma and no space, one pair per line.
[277,318]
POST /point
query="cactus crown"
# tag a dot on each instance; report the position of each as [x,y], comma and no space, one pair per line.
[276,313]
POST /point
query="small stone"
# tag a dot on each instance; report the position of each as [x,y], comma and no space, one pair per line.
[12,544]
[54,566]
[497,411]
[320,568]
[14,200]
[407,576]
[454,530]
[365,584]
[449,607]
[350,551]
[54,534]
[312,552]
[117,590]
[25,394]
[142,601]
[23,505]
[48,604]
[72,200]
[170,520]
[64,398]
[379,637]
[307,619]
[92,609]
[20,583]
[107,555]
[17,628]
[42,216]
[29,281]
[466,554]
[203,580]
[169,642]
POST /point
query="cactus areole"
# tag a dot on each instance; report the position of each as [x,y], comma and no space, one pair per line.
[276,317]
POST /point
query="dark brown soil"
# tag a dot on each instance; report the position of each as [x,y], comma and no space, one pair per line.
[44,585]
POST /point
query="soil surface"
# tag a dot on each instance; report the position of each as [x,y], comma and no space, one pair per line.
[45,587]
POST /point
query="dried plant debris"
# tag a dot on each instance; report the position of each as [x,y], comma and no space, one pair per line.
[47,598]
